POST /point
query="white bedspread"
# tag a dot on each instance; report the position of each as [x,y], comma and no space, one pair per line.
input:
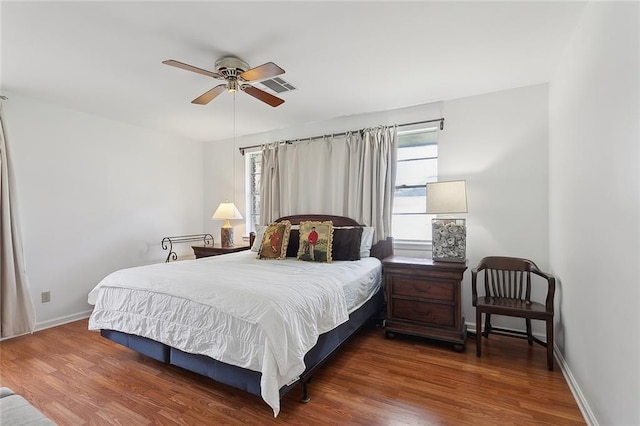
[262,315]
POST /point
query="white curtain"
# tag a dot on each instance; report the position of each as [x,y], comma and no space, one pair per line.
[17,313]
[347,175]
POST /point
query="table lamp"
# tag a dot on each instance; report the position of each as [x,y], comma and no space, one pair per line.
[226,211]
[449,234]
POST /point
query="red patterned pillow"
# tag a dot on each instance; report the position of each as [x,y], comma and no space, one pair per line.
[275,241]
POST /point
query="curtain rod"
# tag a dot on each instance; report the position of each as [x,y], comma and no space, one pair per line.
[242,149]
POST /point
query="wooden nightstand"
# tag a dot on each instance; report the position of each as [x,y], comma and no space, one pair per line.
[215,250]
[424,299]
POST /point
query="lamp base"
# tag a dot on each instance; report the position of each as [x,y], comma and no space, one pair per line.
[449,240]
[226,237]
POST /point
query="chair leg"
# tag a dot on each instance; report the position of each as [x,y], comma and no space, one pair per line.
[550,344]
[529,334]
[478,332]
[487,325]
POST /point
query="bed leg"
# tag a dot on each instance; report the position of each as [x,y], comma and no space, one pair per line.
[305,393]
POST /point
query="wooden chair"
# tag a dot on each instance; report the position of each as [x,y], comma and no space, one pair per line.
[507,286]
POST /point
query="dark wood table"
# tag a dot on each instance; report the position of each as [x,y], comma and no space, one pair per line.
[216,250]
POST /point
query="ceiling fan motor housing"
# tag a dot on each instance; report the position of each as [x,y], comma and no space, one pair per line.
[231,67]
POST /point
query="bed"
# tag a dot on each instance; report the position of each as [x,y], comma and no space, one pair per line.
[262,326]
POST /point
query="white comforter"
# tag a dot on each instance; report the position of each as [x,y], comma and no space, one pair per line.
[263,315]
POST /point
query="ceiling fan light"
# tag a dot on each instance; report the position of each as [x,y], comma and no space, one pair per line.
[232,86]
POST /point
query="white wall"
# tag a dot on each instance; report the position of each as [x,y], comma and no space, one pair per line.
[498,143]
[594,209]
[94,196]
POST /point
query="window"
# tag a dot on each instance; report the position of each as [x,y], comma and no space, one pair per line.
[254,173]
[417,165]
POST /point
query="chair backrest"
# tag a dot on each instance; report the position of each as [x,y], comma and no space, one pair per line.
[510,278]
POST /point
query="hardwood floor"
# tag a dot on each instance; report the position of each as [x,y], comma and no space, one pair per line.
[76,377]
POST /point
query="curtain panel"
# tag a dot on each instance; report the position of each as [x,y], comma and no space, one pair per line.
[17,313]
[352,175]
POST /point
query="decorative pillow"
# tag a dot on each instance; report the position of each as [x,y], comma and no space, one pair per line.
[367,241]
[275,241]
[257,242]
[315,241]
[346,243]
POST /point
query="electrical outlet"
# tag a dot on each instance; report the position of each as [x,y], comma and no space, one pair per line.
[46,296]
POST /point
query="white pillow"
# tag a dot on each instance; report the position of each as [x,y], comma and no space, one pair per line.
[366,242]
[257,243]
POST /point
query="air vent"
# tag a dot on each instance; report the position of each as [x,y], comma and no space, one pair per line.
[278,85]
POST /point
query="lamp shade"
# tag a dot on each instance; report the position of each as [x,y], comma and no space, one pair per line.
[447,197]
[226,211]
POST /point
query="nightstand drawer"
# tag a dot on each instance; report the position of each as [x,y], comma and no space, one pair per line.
[412,287]
[431,313]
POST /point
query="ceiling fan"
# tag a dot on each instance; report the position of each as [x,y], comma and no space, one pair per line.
[236,73]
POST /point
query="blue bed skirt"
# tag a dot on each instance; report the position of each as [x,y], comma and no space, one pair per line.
[248,380]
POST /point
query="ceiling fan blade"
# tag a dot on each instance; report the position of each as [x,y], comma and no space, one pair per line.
[263,71]
[265,97]
[191,68]
[206,97]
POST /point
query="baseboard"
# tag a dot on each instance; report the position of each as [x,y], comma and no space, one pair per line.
[54,323]
[583,405]
[62,320]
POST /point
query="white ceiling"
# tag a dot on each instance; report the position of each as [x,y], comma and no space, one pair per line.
[344,58]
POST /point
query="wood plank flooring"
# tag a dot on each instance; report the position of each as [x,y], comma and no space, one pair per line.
[76,377]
